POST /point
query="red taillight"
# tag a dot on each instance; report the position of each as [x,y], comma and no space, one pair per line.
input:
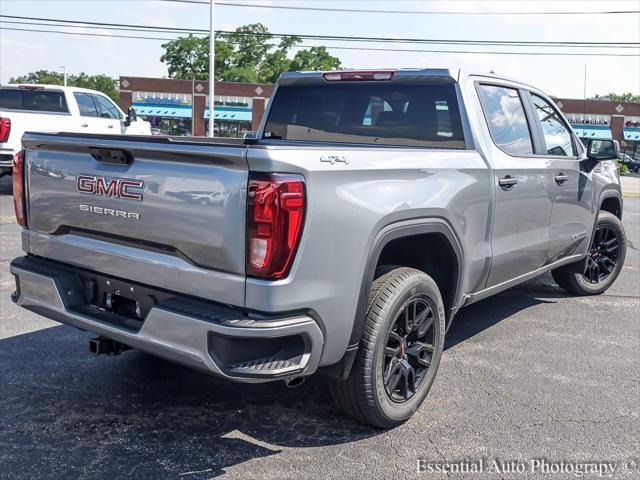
[276,210]
[358,76]
[5,129]
[18,188]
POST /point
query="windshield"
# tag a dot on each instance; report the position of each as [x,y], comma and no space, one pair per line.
[384,113]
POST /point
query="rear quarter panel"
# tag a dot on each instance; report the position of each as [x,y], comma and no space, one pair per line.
[349,204]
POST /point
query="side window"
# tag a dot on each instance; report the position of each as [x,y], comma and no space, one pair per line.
[106,109]
[557,136]
[507,121]
[86,105]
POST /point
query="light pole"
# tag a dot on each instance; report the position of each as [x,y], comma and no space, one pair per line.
[212,64]
[64,70]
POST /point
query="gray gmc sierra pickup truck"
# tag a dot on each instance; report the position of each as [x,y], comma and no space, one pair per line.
[343,239]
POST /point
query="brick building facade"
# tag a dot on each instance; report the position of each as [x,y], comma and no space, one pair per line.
[180,107]
[605,119]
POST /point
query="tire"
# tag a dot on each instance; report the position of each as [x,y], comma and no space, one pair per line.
[364,395]
[583,283]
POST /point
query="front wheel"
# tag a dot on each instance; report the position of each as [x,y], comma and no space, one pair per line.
[399,352]
[604,260]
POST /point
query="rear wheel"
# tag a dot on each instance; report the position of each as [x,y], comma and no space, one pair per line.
[604,260]
[400,350]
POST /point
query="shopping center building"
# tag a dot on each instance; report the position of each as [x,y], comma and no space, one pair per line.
[180,107]
[602,119]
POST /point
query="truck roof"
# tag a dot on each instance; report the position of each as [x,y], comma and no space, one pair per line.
[446,74]
[50,87]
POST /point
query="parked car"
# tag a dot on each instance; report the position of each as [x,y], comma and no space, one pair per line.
[631,163]
[51,108]
[370,208]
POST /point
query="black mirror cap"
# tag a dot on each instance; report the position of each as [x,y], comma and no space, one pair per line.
[131,117]
[601,150]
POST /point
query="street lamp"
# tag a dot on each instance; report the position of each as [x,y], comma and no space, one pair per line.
[64,69]
[212,63]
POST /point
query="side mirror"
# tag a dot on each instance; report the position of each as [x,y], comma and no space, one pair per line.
[600,150]
[131,117]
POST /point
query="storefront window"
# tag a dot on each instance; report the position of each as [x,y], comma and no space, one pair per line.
[177,127]
[228,128]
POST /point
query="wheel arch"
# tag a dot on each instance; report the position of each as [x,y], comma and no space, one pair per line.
[611,201]
[392,232]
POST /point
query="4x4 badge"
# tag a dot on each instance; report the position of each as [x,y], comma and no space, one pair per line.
[333,159]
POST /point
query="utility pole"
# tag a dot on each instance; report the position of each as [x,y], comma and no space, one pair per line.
[64,69]
[212,65]
[584,94]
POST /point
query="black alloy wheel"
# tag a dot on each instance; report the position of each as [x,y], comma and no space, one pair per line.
[399,351]
[603,255]
[603,263]
[409,349]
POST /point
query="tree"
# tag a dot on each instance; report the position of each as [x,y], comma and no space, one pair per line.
[615,97]
[246,55]
[316,58]
[102,83]
[187,57]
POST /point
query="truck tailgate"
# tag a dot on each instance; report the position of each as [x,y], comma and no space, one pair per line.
[142,204]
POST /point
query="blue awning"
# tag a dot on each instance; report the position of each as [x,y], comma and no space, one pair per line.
[631,134]
[221,113]
[170,111]
[593,131]
[230,114]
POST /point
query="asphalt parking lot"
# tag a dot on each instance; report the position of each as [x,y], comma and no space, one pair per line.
[529,374]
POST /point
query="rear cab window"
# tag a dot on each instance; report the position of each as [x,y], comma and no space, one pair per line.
[373,113]
[33,99]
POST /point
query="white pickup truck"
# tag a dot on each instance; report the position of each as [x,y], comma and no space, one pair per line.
[51,109]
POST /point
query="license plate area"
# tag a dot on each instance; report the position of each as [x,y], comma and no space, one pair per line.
[123,306]
[117,301]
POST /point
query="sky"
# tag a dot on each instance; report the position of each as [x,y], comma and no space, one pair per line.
[562,76]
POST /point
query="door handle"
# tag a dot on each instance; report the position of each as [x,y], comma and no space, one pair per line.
[508,182]
[84,125]
[561,179]
[109,126]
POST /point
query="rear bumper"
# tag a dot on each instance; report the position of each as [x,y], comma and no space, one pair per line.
[6,161]
[220,340]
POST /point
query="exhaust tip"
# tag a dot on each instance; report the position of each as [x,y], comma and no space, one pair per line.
[294,382]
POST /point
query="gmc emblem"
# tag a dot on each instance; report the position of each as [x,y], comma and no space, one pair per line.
[115,187]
